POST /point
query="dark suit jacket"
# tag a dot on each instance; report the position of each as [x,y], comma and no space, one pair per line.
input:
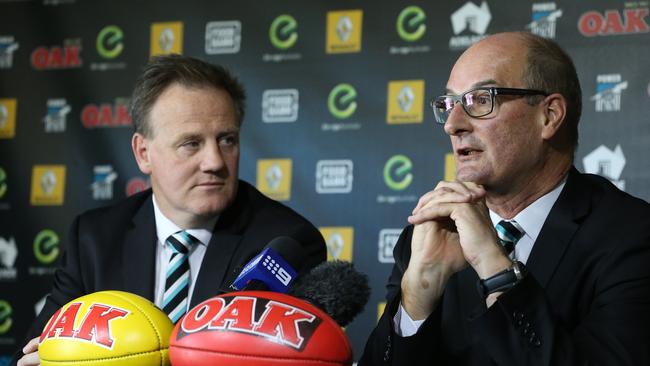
[114,248]
[586,300]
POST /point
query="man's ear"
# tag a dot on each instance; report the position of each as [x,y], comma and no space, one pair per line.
[555,114]
[140,147]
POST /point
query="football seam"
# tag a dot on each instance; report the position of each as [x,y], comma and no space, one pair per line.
[104,358]
[151,323]
[325,362]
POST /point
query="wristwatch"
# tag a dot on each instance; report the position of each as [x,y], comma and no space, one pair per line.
[503,280]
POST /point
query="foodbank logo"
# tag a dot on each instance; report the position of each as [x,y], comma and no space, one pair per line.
[46,246]
[5,317]
[342,101]
[109,42]
[397,172]
[410,23]
[283,32]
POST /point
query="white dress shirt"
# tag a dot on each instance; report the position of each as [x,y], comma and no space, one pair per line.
[165,228]
[531,219]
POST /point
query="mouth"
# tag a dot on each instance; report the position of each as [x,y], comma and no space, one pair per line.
[467,152]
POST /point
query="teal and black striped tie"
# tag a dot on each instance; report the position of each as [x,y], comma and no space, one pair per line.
[509,233]
[177,283]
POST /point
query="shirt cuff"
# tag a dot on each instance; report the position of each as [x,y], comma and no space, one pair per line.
[404,325]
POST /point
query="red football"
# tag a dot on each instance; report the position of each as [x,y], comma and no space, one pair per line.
[258,328]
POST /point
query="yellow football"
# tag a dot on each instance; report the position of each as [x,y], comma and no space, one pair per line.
[106,328]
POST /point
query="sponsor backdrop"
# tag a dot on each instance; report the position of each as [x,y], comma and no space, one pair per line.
[338,124]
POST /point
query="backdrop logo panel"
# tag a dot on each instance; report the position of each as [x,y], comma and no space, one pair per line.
[340,242]
[397,172]
[166,38]
[280,105]
[607,163]
[450,167]
[8,46]
[222,37]
[341,101]
[3,183]
[608,92]
[46,251]
[410,23]
[8,255]
[334,176]
[469,24]
[48,185]
[381,306]
[545,16]
[109,42]
[411,28]
[5,317]
[283,32]
[46,246]
[405,102]
[274,178]
[135,185]
[344,31]
[8,118]
[102,185]
[58,57]
[631,20]
[55,118]
[386,244]
[106,115]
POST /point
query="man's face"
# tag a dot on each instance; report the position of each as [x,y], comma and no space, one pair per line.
[193,153]
[502,148]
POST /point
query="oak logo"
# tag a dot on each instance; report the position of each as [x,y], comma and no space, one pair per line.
[614,22]
[58,57]
[95,327]
[279,322]
[106,115]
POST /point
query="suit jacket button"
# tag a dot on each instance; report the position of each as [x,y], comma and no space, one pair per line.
[537,343]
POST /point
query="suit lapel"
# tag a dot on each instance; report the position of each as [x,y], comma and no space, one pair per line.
[139,253]
[561,224]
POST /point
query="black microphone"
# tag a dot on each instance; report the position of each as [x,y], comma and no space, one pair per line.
[336,288]
[273,269]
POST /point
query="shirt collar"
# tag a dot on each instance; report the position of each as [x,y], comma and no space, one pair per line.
[165,227]
[532,218]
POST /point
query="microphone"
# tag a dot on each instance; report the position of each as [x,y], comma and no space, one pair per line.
[336,288]
[273,269]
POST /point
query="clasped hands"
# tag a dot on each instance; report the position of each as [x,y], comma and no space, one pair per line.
[452,229]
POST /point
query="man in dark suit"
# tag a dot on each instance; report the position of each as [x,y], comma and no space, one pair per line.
[187,116]
[523,260]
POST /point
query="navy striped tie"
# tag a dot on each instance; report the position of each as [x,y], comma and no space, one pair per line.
[177,281]
[509,233]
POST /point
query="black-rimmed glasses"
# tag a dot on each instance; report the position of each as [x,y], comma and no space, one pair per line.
[476,103]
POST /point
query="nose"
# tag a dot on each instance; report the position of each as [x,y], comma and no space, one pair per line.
[458,122]
[211,158]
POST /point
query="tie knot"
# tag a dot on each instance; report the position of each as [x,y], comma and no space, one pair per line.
[509,233]
[181,242]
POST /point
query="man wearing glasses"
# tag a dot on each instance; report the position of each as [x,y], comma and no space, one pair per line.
[522,260]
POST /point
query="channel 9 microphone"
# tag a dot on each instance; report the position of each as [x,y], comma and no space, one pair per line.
[274,269]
